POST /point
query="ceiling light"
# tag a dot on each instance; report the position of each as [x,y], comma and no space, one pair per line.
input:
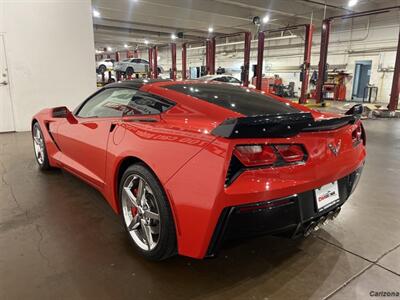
[352,3]
[109,49]
[210,29]
[126,46]
[146,42]
[265,19]
[173,36]
[96,13]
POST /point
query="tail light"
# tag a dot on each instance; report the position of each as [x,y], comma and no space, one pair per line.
[255,155]
[291,153]
[358,135]
[263,155]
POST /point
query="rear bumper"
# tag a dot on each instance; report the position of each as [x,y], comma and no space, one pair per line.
[294,215]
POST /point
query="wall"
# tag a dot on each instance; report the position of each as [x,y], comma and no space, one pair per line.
[376,42]
[50,53]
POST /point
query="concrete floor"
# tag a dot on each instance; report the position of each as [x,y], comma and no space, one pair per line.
[60,240]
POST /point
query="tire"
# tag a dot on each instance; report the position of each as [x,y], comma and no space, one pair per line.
[102,69]
[159,71]
[39,147]
[148,223]
[129,71]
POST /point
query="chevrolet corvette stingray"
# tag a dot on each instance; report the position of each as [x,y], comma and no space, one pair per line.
[188,165]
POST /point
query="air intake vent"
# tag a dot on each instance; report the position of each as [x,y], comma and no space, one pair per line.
[234,170]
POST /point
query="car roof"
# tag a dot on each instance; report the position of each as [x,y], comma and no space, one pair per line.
[211,77]
[135,83]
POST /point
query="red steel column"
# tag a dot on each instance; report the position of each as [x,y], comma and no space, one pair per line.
[184,66]
[155,67]
[260,58]
[246,55]
[150,74]
[394,96]
[212,55]
[208,56]
[326,27]
[173,58]
[117,58]
[307,63]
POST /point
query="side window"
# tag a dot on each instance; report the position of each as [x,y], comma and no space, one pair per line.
[233,80]
[108,103]
[118,102]
[144,61]
[220,79]
[146,104]
[136,61]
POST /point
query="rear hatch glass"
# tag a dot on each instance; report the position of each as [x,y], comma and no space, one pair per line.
[237,99]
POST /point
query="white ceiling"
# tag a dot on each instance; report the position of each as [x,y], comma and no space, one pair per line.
[133,21]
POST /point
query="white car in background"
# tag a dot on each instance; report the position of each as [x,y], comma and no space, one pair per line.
[131,66]
[104,65]
[229,79]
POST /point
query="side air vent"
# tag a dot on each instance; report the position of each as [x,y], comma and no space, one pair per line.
[234,170]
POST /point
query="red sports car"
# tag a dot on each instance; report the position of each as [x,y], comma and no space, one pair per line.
[190,164]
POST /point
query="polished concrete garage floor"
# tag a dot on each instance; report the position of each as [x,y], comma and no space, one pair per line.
[60,240]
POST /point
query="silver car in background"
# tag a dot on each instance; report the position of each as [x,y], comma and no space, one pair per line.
[131,66]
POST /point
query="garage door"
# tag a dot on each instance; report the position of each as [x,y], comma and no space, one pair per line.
[6,113]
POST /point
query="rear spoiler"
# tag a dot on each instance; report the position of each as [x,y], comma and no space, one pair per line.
[280,125]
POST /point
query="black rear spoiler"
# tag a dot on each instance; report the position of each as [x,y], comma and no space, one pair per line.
[280,125]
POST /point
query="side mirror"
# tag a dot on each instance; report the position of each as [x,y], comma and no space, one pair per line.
[356,110]
[60,112]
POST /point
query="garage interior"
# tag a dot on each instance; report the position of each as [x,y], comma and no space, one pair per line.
[59,239]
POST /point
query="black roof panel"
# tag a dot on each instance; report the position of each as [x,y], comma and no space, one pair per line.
[135,83]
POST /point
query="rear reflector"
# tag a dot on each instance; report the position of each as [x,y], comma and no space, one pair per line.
[291,153]
[255,155]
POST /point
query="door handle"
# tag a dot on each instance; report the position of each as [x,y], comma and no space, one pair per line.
[4,82]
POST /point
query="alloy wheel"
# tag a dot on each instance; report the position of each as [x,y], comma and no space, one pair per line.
[141,213]
[38,145]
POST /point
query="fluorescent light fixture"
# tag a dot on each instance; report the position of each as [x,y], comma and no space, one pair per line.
[109,49]
[96,13]
[146,42]
[210,29]
[126,46]
[173,36]
[352,3]
[265,19]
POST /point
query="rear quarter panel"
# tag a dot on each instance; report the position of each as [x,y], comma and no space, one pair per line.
[163,149]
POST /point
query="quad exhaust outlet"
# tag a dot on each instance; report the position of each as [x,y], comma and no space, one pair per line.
[317,224]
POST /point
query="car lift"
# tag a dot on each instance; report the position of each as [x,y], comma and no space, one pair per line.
[184,56]
[246,54]
[322,67]
[309,29]
[153,62]
[210,45]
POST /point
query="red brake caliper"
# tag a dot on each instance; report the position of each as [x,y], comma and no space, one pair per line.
[134,209]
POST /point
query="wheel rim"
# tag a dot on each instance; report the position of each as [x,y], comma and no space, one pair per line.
[141,213]
[38,145]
